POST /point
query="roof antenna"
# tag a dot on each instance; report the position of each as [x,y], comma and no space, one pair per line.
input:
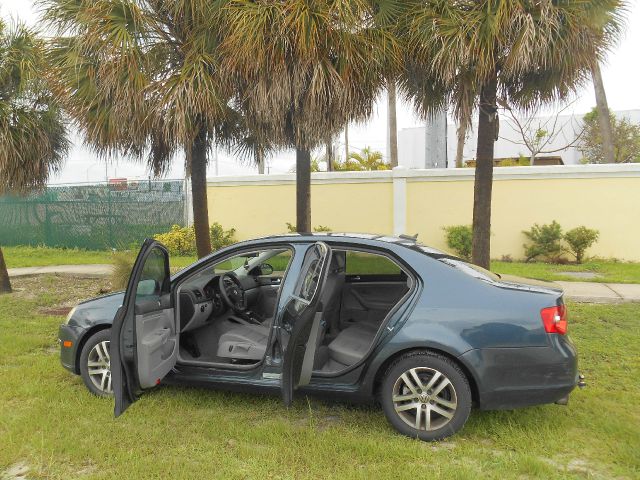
[409,237]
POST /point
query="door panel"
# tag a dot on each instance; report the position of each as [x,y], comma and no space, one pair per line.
[144,336]
[301,320]
[157,345]
[369,301]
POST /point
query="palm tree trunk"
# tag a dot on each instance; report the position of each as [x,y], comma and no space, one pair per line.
[604,117]
[259,155]
[329,153]
[462,136]
[303,190]
[199,194]
[5,284]
[392,124]
[481,251]
[346,142]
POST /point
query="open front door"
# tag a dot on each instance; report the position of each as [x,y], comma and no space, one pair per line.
[144,338]
[301,320]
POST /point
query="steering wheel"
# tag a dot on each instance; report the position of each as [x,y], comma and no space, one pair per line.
[232,292]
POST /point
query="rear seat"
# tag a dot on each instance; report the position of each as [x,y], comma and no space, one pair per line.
[352,343]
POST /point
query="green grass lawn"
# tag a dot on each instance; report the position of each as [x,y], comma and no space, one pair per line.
[609,272]
[23,256]
[613,272]
[51,425]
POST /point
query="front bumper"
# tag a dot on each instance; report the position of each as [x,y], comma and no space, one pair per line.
[69,338]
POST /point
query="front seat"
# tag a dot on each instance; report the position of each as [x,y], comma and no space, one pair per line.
[244,342]
[249,342]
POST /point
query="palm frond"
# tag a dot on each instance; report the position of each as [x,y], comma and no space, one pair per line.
[33,134]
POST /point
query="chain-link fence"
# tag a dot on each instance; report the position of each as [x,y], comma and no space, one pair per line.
[97,216]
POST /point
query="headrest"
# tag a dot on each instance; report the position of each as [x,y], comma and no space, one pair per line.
[338,262]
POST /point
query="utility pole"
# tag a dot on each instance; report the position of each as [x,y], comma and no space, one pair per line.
[436,140]
[392,124]
[604,117]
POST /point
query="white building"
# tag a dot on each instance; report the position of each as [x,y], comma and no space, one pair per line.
[411,141]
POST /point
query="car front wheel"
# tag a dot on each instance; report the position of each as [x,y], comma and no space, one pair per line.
[425,395]
[95,364]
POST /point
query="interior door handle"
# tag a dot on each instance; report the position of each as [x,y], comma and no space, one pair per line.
[157,339]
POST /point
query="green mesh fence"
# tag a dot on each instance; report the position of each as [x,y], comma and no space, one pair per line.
[92,216]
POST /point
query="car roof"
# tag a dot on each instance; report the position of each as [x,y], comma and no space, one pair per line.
[403,240]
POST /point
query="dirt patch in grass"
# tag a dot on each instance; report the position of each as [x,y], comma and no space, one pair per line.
[17,471]
[61,311]
[59,292]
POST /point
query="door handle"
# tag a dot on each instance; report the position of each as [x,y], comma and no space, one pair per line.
[157,339]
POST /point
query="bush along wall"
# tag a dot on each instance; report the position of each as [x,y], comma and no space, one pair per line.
[548,242]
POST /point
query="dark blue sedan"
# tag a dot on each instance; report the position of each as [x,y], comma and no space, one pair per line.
[361,317]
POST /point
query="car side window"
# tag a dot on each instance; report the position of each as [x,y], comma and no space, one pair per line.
[153,276]
[280,262]
[308,281]
[368,264]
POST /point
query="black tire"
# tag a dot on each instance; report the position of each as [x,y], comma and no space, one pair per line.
[93,381]
[453,399]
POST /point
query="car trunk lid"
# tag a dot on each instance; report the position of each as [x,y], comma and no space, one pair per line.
[530,284]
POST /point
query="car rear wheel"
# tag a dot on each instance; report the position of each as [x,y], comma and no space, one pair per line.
[425,395]
[95,364]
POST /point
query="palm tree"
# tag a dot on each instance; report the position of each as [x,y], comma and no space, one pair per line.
[366,160]
[461,134]
[302,70]
[33,135]
[142,79]
[521,51]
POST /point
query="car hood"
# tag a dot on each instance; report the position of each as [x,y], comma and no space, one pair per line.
[96,311]
[529,284]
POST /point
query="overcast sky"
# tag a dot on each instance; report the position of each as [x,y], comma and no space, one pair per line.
[621,75]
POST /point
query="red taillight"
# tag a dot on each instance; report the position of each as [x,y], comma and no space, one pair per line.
[555,319]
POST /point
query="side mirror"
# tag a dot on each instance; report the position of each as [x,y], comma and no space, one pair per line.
[266,269]
[147,287]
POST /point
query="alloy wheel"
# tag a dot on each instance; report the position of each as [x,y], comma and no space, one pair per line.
[99,367]
[424,398]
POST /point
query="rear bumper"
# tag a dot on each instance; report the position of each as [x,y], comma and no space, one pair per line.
[520,377]
[68,353]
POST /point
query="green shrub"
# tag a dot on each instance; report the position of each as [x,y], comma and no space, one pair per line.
[121,269]
[545,242]
[291,228]
[460,239]
[220,237]
[579,239]
[178,240]
[182,240]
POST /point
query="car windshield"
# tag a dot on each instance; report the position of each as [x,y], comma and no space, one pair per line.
[470,269]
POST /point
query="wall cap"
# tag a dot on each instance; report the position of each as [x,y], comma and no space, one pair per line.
[438,174]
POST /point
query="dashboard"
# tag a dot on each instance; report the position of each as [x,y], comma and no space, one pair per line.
[200,301]
[200,304]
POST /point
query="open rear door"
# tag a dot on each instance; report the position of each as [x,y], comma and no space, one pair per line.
[144,338]
[301,319]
